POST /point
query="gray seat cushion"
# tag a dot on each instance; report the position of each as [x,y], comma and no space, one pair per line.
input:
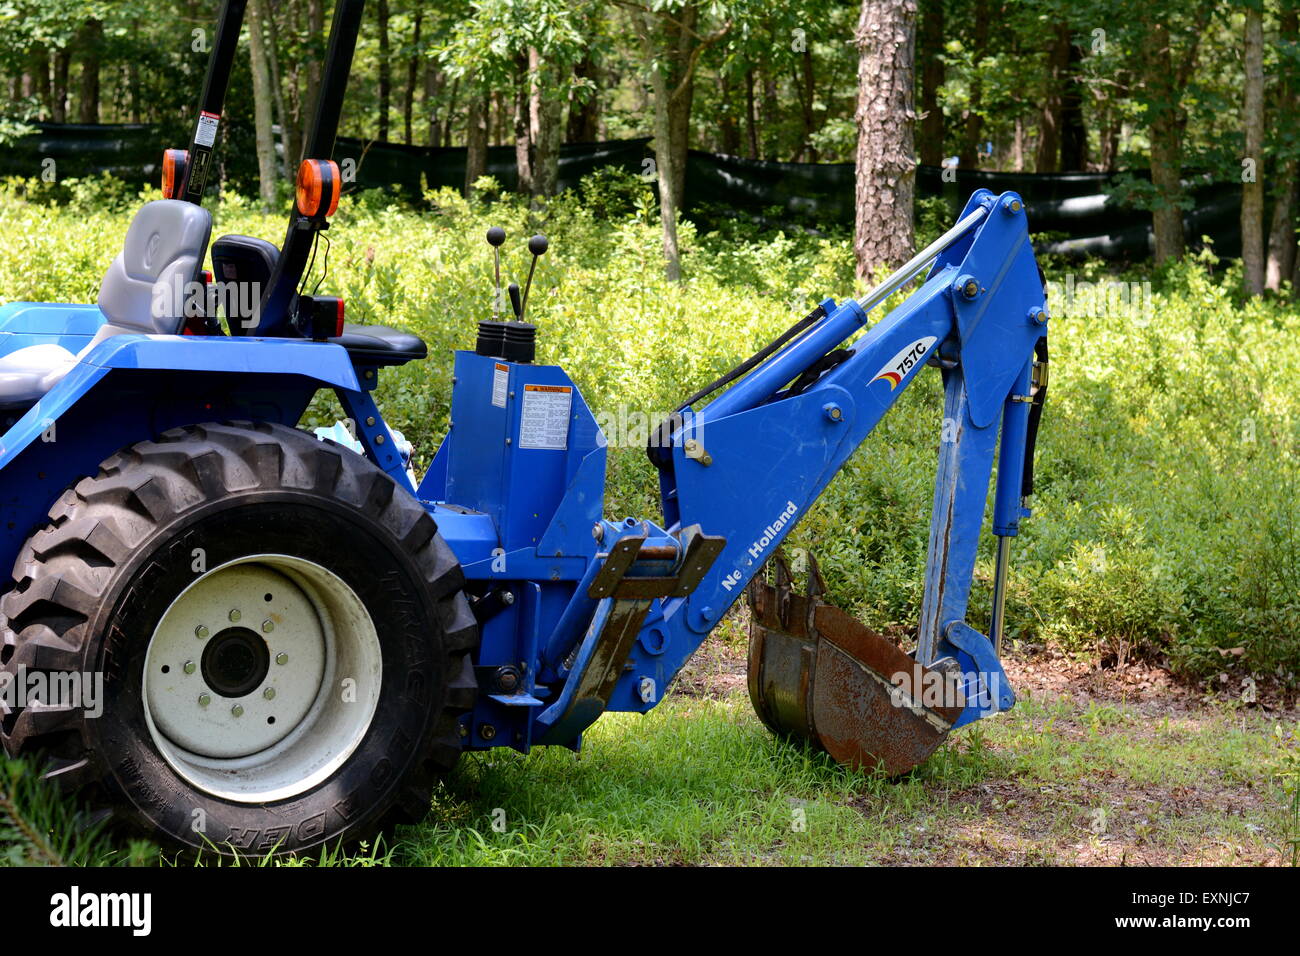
[145,288]
[144,291]
[27,374]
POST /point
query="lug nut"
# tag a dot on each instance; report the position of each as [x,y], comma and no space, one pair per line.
[189,667]
[269,693]
[201,632]
[234,615]
[268,627]
[204,700]
[487,732]
[282,658]
[237,710]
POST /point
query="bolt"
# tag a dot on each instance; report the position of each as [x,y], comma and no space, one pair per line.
[379,439]
[282,658]
[508,441]
[833,412]
[464,731]
[970,288]
[370,420]
[487,732]
[234,615]
[370,373]
[204,700]
[1038,316]
[507,598]
[189,667]
[237,710]
[1011,205]
[268,627]
[269,693]
[201,632]
[598,531]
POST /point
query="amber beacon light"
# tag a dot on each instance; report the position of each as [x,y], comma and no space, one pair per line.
[318,187]
[175,162]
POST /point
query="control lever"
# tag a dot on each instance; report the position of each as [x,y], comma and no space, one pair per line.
[515,302]
[495,237]
[537,246]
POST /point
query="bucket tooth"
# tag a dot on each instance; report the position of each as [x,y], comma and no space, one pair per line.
[820,675]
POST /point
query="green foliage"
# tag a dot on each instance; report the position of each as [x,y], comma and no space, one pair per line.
[1167,515]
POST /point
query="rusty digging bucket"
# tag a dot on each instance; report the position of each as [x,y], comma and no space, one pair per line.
[818,674]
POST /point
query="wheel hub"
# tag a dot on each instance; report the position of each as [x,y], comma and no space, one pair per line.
[262,677]
[235,662]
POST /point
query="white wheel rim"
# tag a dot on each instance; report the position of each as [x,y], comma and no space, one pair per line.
[255,700]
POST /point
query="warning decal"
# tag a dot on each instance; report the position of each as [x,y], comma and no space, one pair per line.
[544,420]
[500,383]
[206,134]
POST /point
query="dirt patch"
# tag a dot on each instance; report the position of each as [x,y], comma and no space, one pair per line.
[715,671]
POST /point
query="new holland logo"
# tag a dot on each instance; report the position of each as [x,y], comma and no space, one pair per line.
[902,363]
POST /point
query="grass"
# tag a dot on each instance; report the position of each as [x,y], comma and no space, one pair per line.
[699,781]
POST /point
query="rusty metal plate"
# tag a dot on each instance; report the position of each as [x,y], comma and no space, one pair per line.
[869,698]
[818,674]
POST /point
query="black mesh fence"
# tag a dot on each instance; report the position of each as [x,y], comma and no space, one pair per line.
[1073,212]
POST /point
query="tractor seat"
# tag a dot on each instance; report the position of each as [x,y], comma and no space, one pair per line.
[249,260]
[144,291]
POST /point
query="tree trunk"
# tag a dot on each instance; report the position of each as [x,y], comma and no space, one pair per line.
[447,124]
[1252,188]
[929,45]
[751,117]
[1112,122]
[412,80]
[886,160]
[1074,134]
[59,86]
[289,142]
[476,140]
[584,117]
[433,85]
[807,98]
[315,65]
[385,69]
[1166,145]
[39,72]
[672,46]
[261,102]
[968,157]
[771,117]
[91,45]
[523,128]
[1047,156]
[133,74]
[1282,234]
[728,127]
[544,125]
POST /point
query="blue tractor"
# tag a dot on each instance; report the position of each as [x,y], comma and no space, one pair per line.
[236,634]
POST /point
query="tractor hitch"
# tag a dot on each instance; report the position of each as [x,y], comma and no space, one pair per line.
[817,674]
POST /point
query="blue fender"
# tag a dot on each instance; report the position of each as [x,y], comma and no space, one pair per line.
[133,387]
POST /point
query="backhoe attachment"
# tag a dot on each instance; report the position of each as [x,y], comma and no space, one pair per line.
[818,674]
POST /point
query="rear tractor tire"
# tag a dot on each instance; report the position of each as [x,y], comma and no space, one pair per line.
[281,633]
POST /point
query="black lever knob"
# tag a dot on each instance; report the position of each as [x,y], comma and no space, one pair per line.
[537,246]
[496,235]
[515,302]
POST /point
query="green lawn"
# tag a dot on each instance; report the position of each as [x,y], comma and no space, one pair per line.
[701,781]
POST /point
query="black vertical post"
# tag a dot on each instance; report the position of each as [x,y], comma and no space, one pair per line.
[211,102]
[276,302]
